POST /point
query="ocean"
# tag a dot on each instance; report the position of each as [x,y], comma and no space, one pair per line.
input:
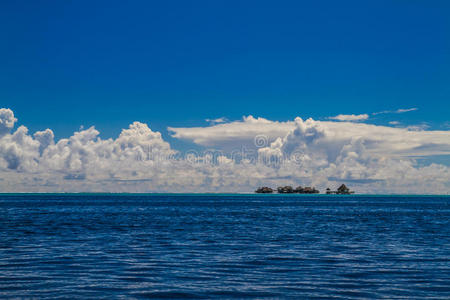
[136,246]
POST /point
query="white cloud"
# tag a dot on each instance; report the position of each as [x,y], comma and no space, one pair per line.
[217,121]
[403,110]
[390,141]
[419,127]
[242,133]
[45,139]
[7,120]
[370,158]
[397,111]
[313,152]
[350,118]
[19,151]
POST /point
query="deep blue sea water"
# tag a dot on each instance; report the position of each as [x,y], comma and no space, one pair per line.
[224,246]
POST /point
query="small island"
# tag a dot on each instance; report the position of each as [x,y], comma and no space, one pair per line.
[288,190]
[342,190]
[264,190]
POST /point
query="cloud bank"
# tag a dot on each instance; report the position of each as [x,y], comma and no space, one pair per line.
[241,156]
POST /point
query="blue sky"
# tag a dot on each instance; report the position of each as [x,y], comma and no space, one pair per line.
[373,76]
[176,63]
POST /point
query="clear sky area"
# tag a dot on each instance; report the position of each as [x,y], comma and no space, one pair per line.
[177,63]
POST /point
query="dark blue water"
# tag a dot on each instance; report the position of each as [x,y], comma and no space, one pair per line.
[211,246]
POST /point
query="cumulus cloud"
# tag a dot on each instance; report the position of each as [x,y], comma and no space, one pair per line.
[45,139]
[7,120]
[371,158]
[256,133]
[314,153]
[350,118]
[19,150]
[325,152]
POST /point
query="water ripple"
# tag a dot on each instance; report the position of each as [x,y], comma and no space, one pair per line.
[222,246]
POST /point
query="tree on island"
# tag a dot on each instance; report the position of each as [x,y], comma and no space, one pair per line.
[342,190]
[285,189]
[264,190]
